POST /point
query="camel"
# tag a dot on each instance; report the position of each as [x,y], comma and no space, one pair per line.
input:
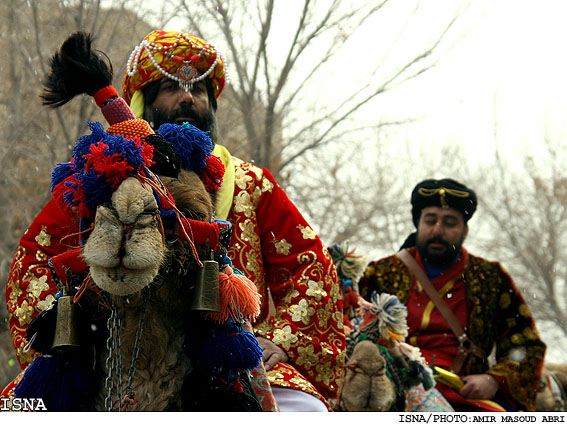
[381,367]
[552,395]
[136,334]
[147,276]
[124,253]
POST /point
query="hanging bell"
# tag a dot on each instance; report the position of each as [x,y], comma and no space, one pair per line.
[66,335]
[206,296]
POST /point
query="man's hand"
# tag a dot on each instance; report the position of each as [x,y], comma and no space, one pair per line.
[480,387]
[272,353]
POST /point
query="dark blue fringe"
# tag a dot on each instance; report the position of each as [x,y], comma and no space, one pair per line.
[63,386]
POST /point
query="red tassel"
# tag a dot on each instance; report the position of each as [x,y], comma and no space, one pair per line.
[238,297]
[212,174]
[238,387]
[59,195]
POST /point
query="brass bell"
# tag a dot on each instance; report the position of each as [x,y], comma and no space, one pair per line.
[206,296]
[65,329]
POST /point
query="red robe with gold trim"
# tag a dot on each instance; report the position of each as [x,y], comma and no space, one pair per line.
[487,303]
[275,247]
[272,244]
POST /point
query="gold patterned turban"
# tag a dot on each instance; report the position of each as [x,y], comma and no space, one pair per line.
[176,55]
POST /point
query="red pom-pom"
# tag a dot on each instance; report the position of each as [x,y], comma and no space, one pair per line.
[147,152]
[350,298]
[212,174]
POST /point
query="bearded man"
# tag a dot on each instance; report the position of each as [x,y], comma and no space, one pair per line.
[173,77]
[486,309]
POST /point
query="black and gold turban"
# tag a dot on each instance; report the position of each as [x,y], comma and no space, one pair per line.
[445,193]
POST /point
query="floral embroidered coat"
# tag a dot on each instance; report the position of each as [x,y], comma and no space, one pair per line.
[276,248]
[488,304]
[271,243]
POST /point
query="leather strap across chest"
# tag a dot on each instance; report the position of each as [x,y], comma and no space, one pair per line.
[466,346]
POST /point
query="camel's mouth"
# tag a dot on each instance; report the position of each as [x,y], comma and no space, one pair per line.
[121,280]
[123,270]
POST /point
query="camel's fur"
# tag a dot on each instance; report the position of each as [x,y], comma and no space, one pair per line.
[545,400]
[124,252]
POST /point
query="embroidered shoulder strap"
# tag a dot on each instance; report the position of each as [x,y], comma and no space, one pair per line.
[466,346]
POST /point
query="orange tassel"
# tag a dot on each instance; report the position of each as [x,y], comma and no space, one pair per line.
[239,298]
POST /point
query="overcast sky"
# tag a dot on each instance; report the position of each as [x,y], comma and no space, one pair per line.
[511,66]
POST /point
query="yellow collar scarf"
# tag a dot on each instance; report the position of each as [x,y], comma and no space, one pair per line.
[226,192]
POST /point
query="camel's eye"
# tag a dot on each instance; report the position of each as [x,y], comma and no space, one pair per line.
[542,386]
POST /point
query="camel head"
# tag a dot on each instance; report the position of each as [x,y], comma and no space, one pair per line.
[366,386]
[126,247]
[375,347]
[109,184]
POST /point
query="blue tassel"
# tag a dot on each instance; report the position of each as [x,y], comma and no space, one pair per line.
[96,188]
[62,385]
[243,351]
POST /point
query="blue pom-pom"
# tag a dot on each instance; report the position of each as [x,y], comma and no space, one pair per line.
[96,188]
[229,348]
[191,145]
[243,351]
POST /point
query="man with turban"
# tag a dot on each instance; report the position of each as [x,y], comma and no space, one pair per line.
[174,77]
[481,295]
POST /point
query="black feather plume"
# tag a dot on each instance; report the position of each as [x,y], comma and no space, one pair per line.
[75,69]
